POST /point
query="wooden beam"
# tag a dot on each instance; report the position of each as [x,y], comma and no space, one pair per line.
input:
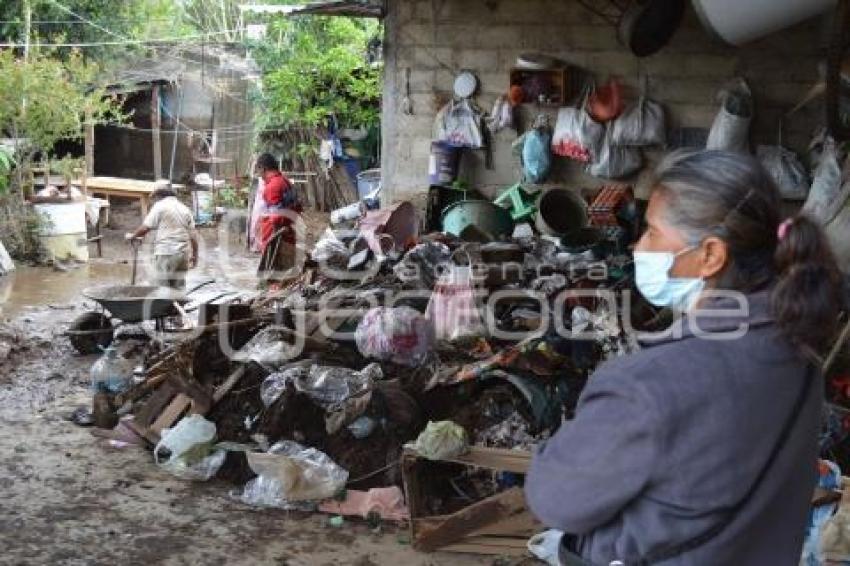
[156,124]
[470,519]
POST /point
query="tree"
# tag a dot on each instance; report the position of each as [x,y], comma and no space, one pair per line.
[44,99]
[319,68]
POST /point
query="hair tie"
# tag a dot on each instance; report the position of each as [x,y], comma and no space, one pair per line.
[782,231]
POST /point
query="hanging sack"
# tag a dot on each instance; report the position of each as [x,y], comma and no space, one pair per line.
[536,156]
[822,203]
[577,136]
[459,124]
[452,308]
[641,124]
[614,161]
[606,102]
[787,172]
[731,128]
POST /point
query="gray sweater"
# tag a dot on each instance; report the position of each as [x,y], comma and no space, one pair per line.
[666,439]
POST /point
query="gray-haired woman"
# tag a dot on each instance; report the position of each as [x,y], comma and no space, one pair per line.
[701,448]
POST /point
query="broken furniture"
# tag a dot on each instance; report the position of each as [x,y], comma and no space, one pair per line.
[497,525]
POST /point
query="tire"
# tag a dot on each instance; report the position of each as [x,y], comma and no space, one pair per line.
[91,343]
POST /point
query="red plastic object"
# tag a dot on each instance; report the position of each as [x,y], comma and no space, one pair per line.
[606,102]
[516,95]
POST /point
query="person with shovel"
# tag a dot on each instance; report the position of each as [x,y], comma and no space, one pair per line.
[176,243]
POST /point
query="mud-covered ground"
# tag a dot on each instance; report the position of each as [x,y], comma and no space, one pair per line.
[69,498]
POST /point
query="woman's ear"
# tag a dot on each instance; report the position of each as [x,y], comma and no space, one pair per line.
[714,255]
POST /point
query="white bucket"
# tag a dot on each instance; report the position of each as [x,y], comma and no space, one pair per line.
[739,22]
[64,233]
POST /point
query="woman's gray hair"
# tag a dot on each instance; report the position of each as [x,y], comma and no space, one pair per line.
[731,196]
[727,195]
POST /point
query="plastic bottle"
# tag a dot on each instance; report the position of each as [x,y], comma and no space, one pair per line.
[108,374]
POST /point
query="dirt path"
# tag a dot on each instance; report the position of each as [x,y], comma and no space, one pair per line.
[68,498]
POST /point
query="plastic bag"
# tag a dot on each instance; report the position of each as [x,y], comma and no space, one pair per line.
[452,309]
[441,440]
[330,386]
[269,347]
[276,383]
[642,124]
[545,546]
[329,249]
[400,335]
[577,136]
[190,446]
[826,185]
[502,115]
[291,472]
[615,162]
[606,102]
[190,432]
[731,128]
[536,155]
[786,170]
[459,124]
[421,265]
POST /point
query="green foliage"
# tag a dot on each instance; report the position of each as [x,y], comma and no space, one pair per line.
[7,161]
[315,67]
[230,197]
[20,226]
[45,100]
[124,18]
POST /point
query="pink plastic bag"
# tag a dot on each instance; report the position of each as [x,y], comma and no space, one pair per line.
[400,335]
[452,309]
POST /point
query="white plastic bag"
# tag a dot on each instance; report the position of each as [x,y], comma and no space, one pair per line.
[641,124]
[577,135]
[459,124]
[291,472]
[545,546]
[821,203]
[190,445]
[190,432]
[452,308]
[731,128]
[613,161]
[400,335]
[786,170]
[502,115]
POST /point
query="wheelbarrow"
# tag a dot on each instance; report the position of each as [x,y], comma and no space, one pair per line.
[130,304]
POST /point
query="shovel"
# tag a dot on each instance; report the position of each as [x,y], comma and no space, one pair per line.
[135,244]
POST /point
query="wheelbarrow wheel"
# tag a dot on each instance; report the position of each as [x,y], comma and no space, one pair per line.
[90,332]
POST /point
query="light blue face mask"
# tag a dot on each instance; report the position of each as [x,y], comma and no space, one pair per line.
[652,276]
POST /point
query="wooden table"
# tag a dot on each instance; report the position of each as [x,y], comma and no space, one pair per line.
[120,187]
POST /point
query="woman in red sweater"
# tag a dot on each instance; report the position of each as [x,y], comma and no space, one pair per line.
[278,196]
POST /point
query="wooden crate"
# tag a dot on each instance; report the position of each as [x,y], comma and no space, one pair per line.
[499,525]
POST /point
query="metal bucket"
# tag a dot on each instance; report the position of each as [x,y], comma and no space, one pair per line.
[477,220]
[561,211]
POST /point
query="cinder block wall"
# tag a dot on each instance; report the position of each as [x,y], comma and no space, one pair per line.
[436,39]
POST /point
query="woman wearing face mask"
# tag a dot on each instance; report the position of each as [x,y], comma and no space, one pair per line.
[701,448]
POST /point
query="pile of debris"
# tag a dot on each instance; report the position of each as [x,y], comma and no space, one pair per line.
[477,351]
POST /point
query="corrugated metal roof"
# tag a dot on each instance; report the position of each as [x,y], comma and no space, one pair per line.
[350,8]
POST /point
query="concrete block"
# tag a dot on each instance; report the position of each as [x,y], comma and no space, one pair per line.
[421,81]
[478,60]
[496,36]
[605,63]
[689,91]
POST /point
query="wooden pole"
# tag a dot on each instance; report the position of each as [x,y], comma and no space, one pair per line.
[156,123]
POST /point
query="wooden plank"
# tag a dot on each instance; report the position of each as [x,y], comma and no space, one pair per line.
[516,461]
[523,525]
[223,389]
[156,139]
[471,548]
[171,414]
[158,400]
[469,519]
[202,401]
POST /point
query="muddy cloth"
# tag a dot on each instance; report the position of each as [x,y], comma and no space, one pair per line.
[665,440]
